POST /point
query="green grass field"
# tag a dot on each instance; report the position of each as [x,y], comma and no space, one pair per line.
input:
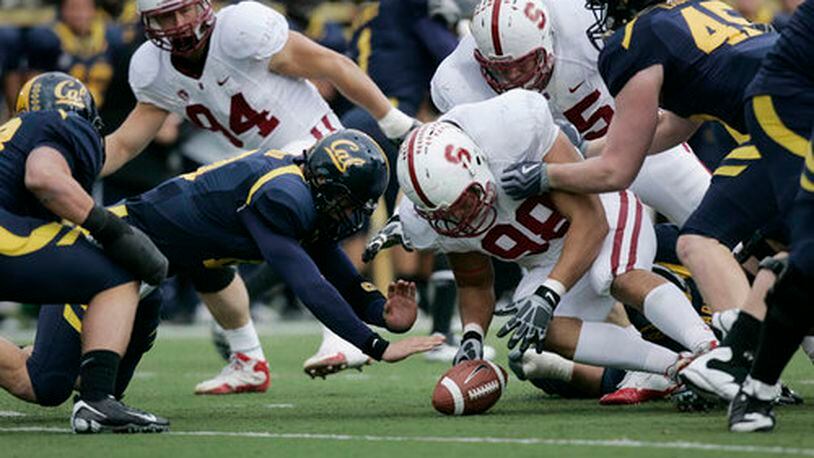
[385,412]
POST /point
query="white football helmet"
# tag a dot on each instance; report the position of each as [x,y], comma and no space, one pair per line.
[515,44]
[178,26]
[445,174]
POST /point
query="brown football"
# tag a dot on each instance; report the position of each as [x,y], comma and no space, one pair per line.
[469,388]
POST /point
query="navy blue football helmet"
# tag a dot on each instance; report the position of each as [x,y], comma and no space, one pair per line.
[347,172]
[58,91]
[611,15]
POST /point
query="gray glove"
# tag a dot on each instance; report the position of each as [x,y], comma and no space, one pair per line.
[525,179]
[390,235]
[530,321]
[573,135]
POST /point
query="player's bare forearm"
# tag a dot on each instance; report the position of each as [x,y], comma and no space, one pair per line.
[474,278]
[586,233]
[130,139]
[48,177]
[303,58]
[671,130]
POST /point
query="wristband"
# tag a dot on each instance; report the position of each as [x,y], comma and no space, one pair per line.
[777,266]
[375,346]
[552,290]
[96,220]
[395,123]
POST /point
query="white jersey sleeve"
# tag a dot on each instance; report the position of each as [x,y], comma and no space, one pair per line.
[512,127]
[458,79]
[144,71]
[251,30]
[416,229]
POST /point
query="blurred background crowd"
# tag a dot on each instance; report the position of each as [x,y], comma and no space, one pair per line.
[94,39]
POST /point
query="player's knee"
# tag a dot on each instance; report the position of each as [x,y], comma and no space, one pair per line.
[212,280]
[690,245]
[51,388]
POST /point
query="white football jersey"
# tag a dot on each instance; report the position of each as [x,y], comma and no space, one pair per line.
[515,126]
[576,91]
[237,98]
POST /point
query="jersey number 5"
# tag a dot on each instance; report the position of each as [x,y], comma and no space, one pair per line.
[575,115]
[507,242]
[242,117]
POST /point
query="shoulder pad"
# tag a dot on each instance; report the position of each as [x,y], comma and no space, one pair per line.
[251,30]
[144,66]
[416,229]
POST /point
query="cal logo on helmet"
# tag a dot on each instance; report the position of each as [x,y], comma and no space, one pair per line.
[58,91]
[340,153]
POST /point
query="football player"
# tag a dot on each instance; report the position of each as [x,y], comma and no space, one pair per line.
[291,211]
[540,45]
[241,74]
[51,155]
[579,251]
[80,43]
[399,45]
[780,117]
[669,68]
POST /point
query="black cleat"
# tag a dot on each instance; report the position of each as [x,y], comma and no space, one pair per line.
[788,397]
[110,415]
[716,374]
[749,414]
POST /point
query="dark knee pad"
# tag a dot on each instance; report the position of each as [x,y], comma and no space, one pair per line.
[211,280]
[52,386]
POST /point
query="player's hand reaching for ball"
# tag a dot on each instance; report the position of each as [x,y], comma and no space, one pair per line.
[401,309]
[409,346]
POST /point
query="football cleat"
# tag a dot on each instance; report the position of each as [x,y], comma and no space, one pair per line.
[686,400]
[788,397]
[716,374]
[751,408]
[242,375]
[111,415]
[638,387]
[516,364]
[322,365]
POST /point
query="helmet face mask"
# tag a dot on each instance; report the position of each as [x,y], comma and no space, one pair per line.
[531,71]
[472,214]
[179,26]
[347,172]
[610,15]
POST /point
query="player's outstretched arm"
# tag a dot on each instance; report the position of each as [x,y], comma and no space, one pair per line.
[130,139]
[48,176]
[626,144]
[303,58]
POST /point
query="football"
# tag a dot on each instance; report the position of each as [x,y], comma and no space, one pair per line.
[469,388]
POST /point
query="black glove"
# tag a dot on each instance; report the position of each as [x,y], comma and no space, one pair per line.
[525,179]
[127,246]
[390,235]
[471,348]
[531,317]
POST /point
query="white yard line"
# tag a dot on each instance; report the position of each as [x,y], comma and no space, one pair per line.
[611,443]
[10,414]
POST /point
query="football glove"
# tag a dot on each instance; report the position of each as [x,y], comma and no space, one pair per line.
[531,316]
[573,135]
[525,179]
[127,246]
[390,235]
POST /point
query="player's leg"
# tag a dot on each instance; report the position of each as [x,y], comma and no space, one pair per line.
[623,267]
[226,297]
[788,320]
[145,331]
[673,183]
[562,377]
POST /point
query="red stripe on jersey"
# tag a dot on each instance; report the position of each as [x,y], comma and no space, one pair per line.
[327,123]
[619,236]
[316,133]
[411,169]
[634,239]
[495,31]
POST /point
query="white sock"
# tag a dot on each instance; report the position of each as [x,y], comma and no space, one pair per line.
[670,311]
[244,340]
[630,329]
[608,345]
[808,347]
[548,366]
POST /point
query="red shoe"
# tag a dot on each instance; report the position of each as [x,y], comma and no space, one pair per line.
[639,387]
[242,375]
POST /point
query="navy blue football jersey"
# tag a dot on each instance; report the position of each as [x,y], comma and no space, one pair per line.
[789,67]
[709,53]
[399,47]
[71,135]
[194,220]
[90,60]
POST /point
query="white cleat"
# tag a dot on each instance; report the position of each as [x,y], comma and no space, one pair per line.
[716,374]
[322,365]
[638,387]
[242,375]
